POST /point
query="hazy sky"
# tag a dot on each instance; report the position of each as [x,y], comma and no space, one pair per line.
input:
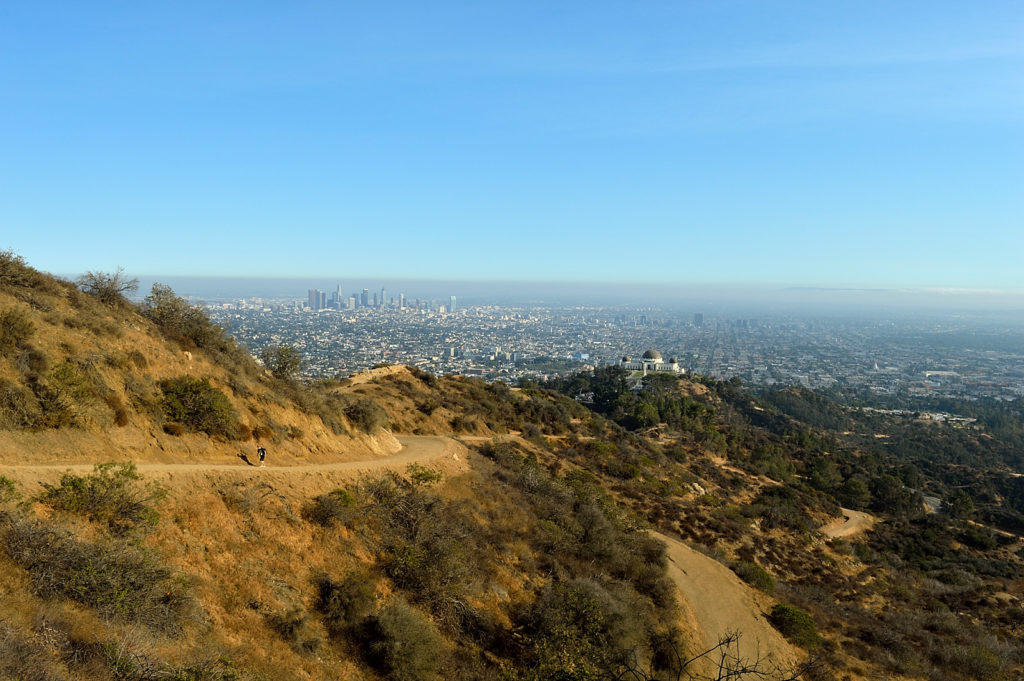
[810,143]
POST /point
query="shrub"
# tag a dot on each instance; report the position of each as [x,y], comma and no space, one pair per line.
[25,659]
[326,509]
[428,406]
[580,626]
[366,415]
[108,287]
[55,408]
[185,323]
[247,498]
[144,395]
[796,625]
[14,271]
[199,407]
[33,364]
[293,627]
[421,476]
[116,578]
[174,428]
[402,643]
[344,604]
[283,361]
[8,490]
[754,575]
[19,407]
[117,406]
[16,330]
[74,381]
[112,495]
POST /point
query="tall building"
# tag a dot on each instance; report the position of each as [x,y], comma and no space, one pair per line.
[698,319]
[312,298]
[383,297]
[365,298]
[338,298]
[317,299]
[451,303]
[401,301]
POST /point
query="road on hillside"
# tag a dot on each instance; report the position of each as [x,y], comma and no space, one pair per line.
[718,603]
[851,523]
[415,449]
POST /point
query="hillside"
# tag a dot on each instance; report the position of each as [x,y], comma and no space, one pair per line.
[82,380]
[415,527]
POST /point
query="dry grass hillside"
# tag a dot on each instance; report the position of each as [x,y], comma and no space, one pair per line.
[82,380]
[410,527]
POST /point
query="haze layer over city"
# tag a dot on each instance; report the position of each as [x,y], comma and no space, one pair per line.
[796,339]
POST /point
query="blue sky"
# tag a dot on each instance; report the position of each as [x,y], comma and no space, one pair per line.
[863,144]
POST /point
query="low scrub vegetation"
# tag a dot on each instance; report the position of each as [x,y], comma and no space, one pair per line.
[402,643]
[337,506]
[113,495]
[366,415]
[796,625]
[199,407]
[116,578]
[16,330]
[754,575]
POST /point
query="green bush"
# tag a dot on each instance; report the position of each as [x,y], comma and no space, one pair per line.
[345,604]
[8,490]
[199,407]
[403,644]
[421,475]
[327,509]
[754,575]
[75,382]
[366,415]
[283,361]
[16,330]
[579,629]
[116,578]
[19,407]
[112,495]
[15,272]
[796,625]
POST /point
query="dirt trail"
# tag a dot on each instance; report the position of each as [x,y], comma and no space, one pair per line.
[851,523]
[716,602]
[415,449]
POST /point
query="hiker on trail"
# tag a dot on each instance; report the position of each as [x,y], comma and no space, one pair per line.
[263,455]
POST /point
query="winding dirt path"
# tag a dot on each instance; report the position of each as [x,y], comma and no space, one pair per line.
[852,522]
[716,603]
[421,449]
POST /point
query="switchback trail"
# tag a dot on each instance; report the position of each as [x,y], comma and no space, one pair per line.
[851,523]
[716,603]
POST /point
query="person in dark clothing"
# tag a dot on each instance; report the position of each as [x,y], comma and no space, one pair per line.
[263,455]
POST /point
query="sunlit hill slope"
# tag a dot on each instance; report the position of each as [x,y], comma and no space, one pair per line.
[408,526]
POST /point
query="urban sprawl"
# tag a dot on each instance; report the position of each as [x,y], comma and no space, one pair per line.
[339,335]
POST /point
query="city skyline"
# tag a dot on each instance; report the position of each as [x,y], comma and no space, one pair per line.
[737,299]
[848,145]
